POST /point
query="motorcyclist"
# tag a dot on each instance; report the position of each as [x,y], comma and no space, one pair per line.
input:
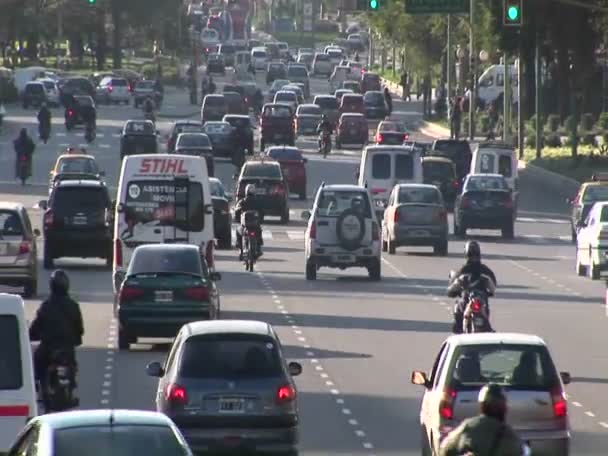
[388,100]
[89,117]
[148,109]
[258,101]
[475,269]
[248,203]
[357,59]
[44,122]
[486,434]
[58,326]
[324,128]
[23,146]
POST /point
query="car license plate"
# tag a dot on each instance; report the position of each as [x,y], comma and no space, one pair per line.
[420,233]
[344,258]
[79,220]
[163,296]
[479,321]
[232,406]
[260,191]
[353,131]
[3,249]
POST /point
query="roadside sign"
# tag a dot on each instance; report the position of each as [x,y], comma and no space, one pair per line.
[307,13]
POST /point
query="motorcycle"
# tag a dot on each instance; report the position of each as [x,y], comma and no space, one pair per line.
[70,119]
[325,144]
[23,169]
[476,315]
[57,390]
[44,132]
[249,224]
[149,115]
[89,133]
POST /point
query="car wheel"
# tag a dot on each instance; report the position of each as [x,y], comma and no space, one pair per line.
[262,144]
[48,257]
[30,288]
[124,341]
[508,231]
[311,270]
[441,249]
[573,235]
[374,270]
[285,216]
[391,247]
[593,269]
[225,242]
[581,270]
[384,246]
[109,260]
[424,444]
[459,230]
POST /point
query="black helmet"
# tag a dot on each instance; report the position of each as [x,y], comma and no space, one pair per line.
[493,401]
[59,282]
[472,251]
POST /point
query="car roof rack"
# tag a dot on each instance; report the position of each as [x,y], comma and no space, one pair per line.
[497,144]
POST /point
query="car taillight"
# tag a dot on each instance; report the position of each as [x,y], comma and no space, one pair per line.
[508,204]
[117,253]
[375,232]
[24,248]
[465,203]
[197,293]
[560,406]
[313,230]
[441,215]
[396,216]
[278,189]
[70,112]
[446,405]
[176,394]
[456,184]
[406,137]
[127,293]
[475,305]
[286,393]
[110,88]
[209,255]
[48,219]
[379,138]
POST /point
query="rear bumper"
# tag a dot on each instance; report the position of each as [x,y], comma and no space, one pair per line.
[16,275]
[269,205]
[419,235]
[272,440]
[485,220]
[139,325]
[80,244]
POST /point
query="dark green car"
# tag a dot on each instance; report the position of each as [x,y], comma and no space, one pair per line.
[165,287]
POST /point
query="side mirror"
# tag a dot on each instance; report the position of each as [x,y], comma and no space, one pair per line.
[102,173]
[451,274]
[215,276]
[295,369]
[581,224]
[154,369]
[305,160]
[235,176]
[305,215]
[566,379]
[120,208]
[419,378]
[357,175]
[229,197]
[36,232]
[526,450]
[42,204]
[208,209]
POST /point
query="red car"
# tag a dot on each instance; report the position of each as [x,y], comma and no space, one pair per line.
[352,129]
[293,167]
[352,102]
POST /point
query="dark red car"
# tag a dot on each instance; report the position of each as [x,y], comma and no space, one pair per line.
[352,129]
[352,102]
[370,81]
[293,167]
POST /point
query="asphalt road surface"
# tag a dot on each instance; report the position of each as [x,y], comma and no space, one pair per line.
[357,340]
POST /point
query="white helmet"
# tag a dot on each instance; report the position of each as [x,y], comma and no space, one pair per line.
[250,189]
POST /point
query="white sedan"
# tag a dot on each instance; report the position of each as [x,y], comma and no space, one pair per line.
[592,242]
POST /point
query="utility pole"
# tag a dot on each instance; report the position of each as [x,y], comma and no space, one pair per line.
[506,100]
[449,65]
[520,117]
[59,30]
[537,91]
[473,71]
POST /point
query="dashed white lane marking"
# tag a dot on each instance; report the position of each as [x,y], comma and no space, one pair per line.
[359,432]
[576,404]
[106,386]
[603,424]
[590,414]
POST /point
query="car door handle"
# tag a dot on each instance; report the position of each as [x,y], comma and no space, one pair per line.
[157,231]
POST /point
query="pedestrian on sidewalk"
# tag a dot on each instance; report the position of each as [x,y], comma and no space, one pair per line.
[455,118]
[389,101]
[405,85]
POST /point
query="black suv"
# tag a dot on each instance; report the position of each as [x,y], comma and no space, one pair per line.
[78,221]
[243,130]
[275,70]
[182,126]
[138,137]
[75,114]
[75,86]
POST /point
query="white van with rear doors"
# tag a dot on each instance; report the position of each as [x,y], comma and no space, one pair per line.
[496,158]
[162,199]
[383,167]
[17,384]
[242,60]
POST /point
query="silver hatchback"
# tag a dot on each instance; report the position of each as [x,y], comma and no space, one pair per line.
[227,387]
[520,363]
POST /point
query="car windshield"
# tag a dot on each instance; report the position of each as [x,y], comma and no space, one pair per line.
[262,170]
[162,260]
[118,440]
[140,128]
[297,72]
[595,193]
[193,140]
[523,367]
[230,356]
[277,111]
[422,195]
[78,165]
[10,224]
[70,200]
[433,170]
[216,188]
[482,183]
[285,96]
[152,203]
[322,58]
[214,100]
[287,153]
[327,102]
[309,110]
[391,126]
[334,203]
[217,128]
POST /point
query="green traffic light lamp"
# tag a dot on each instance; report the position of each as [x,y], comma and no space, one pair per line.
[512,13]
[373,4]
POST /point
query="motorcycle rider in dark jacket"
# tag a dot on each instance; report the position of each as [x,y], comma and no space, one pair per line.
[473,267]
[324,128]
[44,122]
[23,146]
[248,203]
[58,326]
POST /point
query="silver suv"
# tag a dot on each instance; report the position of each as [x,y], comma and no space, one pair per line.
[342,231]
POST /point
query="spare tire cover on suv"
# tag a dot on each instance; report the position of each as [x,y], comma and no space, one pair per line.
[350,229]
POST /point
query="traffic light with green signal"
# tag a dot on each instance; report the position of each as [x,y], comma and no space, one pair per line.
[513,13]
[373,5]
[369,5]
[91,2]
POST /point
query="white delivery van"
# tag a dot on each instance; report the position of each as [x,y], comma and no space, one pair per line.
[382,167]
[260,59]
[162,198]
[242,59]
[24,75]
[17,384]
[491,83]
[496,158]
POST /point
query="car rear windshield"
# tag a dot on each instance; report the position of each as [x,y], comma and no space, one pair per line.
[309,110]
[370,77]
[145,85]
[437,170]
[262,170]
[391,126]
[242,356]
[146,128]
[350,101]
[322,57]
[35,88]
[119,83]
[216,128]
[240,122]
[374,98]
[422,195]
[277,66]
[297,72]
[152,203]
[227,49]
[259,54]
[277,111]
[154,260]
[505,165]
[595,193]
[117,440]
[11,377]
[214,101]
[486,183]
[285,96]
[78,166]
[285,154]
[70,200]
[515,366]
[333,203]
[193,140]
[381,166]
[327,102]
[10,223]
